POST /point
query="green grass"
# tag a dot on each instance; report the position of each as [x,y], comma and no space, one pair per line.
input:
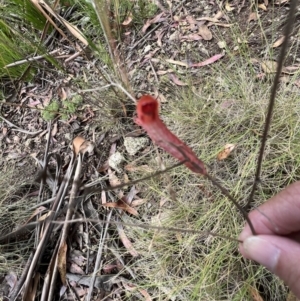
[15,210]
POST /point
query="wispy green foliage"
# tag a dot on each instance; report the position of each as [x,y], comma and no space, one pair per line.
[51,110]
[64,109]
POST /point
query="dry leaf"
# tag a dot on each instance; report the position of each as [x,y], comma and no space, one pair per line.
[177,63]
[126,242]
[176,80]
[62,262]
[228,148]
[123,206]
[290,69]
[63,94]
[284,79]
[218,24]
[82,146]
[209,61]
[54,130]
[132,287]
[228,7]
[193,22]
[44,216]
[218,15]
[262,6]
[113,179]
[45,9]
[127,21]
[255,294]
[36,212]
[32,292]
[156,19]
[205,33]
[269,66]
[191,37]
[138,202]
[77,142]
[75,269]
[163,72]
[207,19]
[252,17]
[278,42]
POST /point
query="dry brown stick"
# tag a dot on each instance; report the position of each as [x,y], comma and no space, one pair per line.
[146,226]
[98,258]
[287,32]
[48,227]
[30,59]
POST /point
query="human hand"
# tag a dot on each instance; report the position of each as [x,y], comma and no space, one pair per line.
[277,245]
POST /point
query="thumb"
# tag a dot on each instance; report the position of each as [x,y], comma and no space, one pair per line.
[278,254]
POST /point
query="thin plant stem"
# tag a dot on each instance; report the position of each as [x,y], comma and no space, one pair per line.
[287,31]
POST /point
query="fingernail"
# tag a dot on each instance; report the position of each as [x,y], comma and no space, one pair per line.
[262,252]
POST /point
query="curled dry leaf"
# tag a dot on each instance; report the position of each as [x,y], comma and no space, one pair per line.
[113,179]
[290,69]
[228,7]
[205,33]
[255,294]
[262,6]
[44,216]
[123,206]
[80,145]
[127,21]
[177,63]
[269,66]
[218,15]
[252,17]
[132,287]
[156,19]
[62,262]
[278,42]
[209,61]
[126,242]
[36,212]
[223,154]
[77,142]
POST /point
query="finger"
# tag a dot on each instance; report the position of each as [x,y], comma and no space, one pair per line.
[278,254]
[279,215]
